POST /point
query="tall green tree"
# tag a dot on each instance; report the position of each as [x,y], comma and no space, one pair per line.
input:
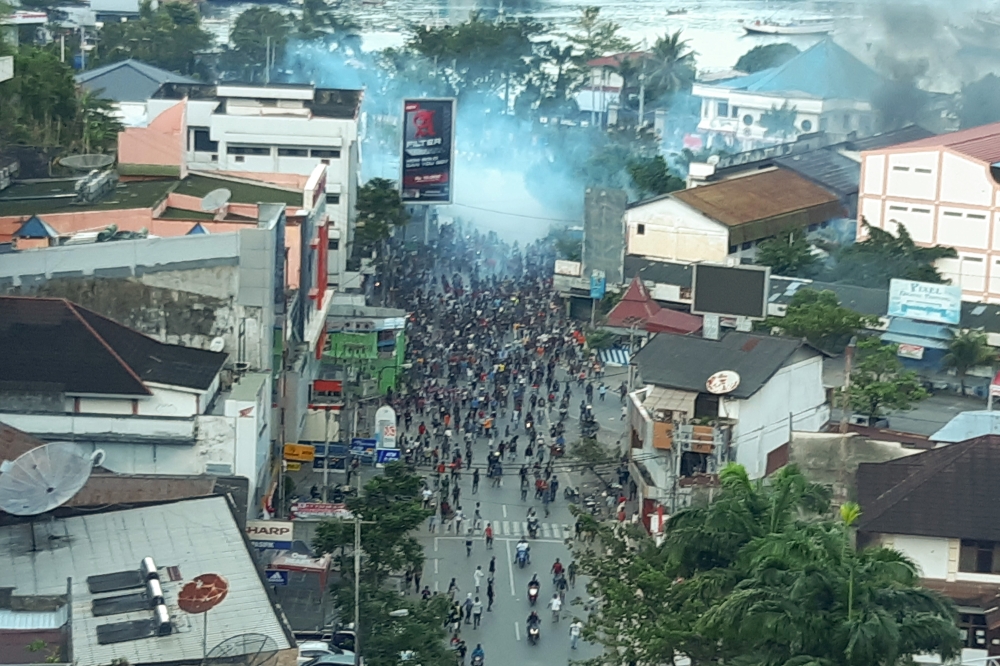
[259,37]
[391,509]
[879,383]
[379,211]
[652,177]
[39,104]
[779,122]
[968,350]
[592,37]
[169,37]
[766,56]
[788,254]
[669,67]
[99,126]
[819,317]
[876,260]
[762,575]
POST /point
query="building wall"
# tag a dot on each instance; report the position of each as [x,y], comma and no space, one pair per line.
[942,198]
[930,554]
[673,231]
[793,399]
[251,415]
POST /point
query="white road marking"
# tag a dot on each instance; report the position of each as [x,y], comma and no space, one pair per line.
[510,539]
[436,565]
[546,531]
[506,527]
[436,544]
[510,568]
[436,587]
[517,632]
[556,532]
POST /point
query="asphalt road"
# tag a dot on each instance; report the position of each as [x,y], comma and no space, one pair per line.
[502,633]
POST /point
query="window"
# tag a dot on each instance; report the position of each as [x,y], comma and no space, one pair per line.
[922,170]
[978,557]
[333,199]
[734,112]
[951,213]
[293,152]
[326,162]
[747,245]
[847,121]
[733,249]
[900,168]
[972,627]
[748,120]
[333,153]
[203,141]
[704,110]
[903,208]
[240,158]
[822,124]
[333,244]
[248,150]
[807,125]
[975,216]
[723,109]
[640,229]
[813,227]
[921,210]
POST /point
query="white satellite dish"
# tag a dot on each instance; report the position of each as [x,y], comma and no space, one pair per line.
[712,159]
[722,382]
[217,344]
[215,200]
[45,477]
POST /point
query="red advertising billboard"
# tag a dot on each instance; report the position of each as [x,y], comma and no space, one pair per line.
[428,143]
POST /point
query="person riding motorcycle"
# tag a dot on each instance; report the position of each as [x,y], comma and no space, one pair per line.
[478,653]
[523,547]
[533,620]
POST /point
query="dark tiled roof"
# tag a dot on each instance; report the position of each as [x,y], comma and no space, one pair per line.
[826,168]
[57,344]
[663,272]
[948,492]
[866,300]
[326,102]
[891,138]
[685,362]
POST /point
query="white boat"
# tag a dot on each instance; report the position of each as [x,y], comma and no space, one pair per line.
[817,27]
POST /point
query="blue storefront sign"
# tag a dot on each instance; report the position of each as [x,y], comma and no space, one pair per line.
[276,577]
[364,447]
[383,456]
[598,285]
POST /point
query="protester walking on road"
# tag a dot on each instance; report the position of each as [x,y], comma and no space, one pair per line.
[478,577]
[575,630]
[477,613]
[489,594]
[489,536]
[555,604]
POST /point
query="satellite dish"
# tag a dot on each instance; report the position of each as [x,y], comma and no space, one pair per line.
[215,200]
[203,593]
[712,159]
[722,382]
[244,650]
[45,477]
[87,162]
[217,344]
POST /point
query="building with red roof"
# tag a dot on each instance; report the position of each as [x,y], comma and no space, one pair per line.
[638,309]
[945,190]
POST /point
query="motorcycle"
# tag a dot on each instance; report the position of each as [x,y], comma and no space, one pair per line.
[533,634]
[477,660]
[571,493]
[522,558]
[532,594]
[533,528]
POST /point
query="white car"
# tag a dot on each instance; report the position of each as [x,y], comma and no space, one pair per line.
[318,653]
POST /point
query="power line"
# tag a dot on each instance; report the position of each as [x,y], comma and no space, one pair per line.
[527,217]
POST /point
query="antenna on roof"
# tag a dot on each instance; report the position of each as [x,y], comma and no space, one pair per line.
[45,477]
[215,200]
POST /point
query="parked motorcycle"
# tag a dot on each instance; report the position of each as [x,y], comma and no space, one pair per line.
[571,493]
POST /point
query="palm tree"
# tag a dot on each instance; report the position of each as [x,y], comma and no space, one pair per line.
[968,350]
[669,67]
[779,122]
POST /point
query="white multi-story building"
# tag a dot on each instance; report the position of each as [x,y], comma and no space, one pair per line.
[828,88]
[945,191]
[277,134]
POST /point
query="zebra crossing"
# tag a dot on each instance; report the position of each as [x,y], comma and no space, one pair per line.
[517,528]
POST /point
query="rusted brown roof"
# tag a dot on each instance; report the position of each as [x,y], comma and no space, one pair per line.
[758,197]
[104,489]
[13,442]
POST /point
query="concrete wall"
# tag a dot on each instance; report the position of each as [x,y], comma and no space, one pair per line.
[669,229]
[793,399]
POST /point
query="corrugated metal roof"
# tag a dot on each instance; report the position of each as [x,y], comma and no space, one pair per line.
[29,621]
[827,168]
[980,143]
[197,536]
[758,197]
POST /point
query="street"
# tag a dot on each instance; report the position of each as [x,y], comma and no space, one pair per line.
[502,633]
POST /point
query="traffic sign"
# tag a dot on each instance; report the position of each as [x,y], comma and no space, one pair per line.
[363,446]
[276,577]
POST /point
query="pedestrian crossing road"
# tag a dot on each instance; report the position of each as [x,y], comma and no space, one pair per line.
[514,528]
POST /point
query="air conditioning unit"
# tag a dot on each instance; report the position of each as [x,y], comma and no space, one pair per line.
[148,569]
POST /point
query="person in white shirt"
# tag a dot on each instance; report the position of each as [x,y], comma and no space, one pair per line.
[555,603]
[575,630]
[478,576]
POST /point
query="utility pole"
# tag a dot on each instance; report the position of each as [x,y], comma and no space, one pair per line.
[267,61]
[357,582]
[326,460]
[848,359]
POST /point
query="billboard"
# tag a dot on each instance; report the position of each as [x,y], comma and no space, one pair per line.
[428,151]
[598,284]
[939,303]
[736,291]
[385,427]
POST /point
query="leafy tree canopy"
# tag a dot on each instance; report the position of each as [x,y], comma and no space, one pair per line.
[879,382]
[819,317]
[788,254]
[779,122]
[652,177]
[876,260]
[968,350]
[259,37]
[379,210]
[763,576]
[766,56]
[169,37]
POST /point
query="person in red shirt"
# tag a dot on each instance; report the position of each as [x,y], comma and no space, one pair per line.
[489,536]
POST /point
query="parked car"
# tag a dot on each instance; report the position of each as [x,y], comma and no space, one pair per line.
[320,653]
